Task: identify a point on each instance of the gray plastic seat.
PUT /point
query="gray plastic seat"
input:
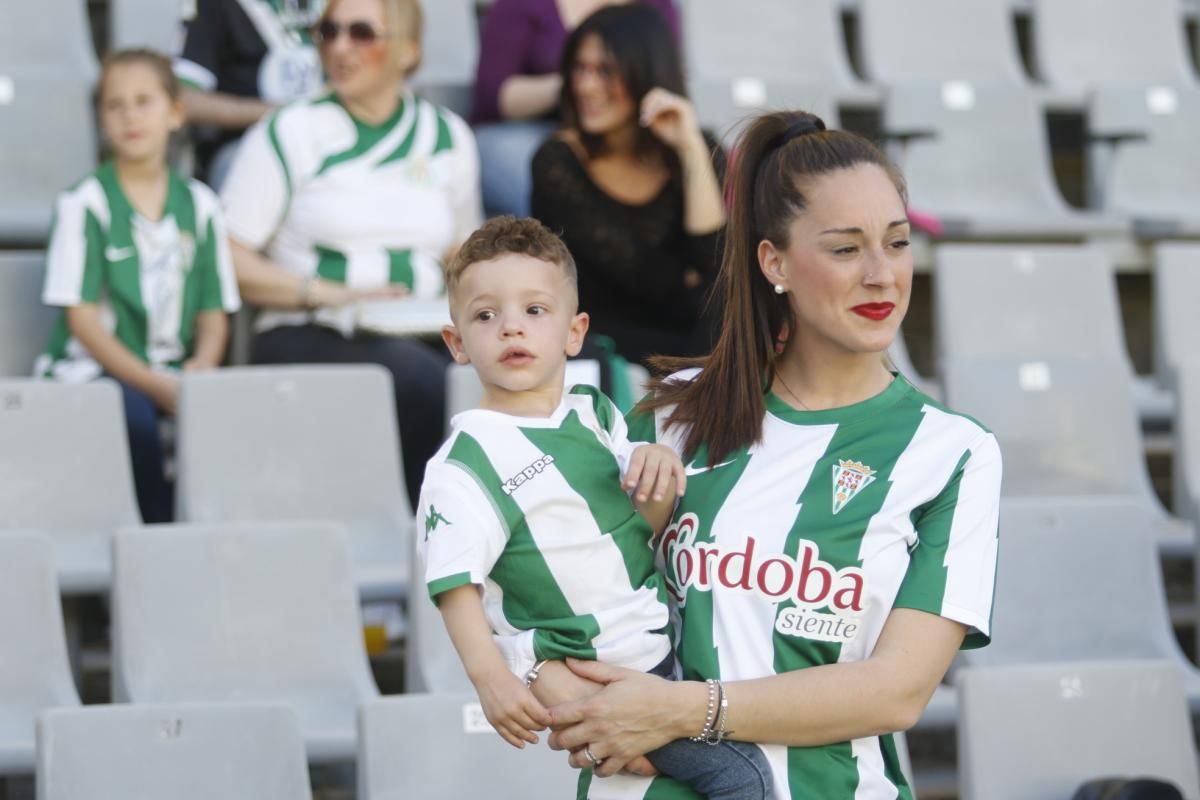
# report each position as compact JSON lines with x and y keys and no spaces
{"x":980,"y":163}
{"x":449,"y":52}
{"x":936,"y":40}
{"x":1067,"y":428}
{"x":34,"y":673}
{"x":1038,"y":732}
{"x":249,"y":612}
{"x":300,"y":443}
{"x":184,"y":752}
{"x":726,"y":106}
{"x":1155,"y":178}
{"x":1176,"y":324}
{"x":1080,"y":580}
{"x":431,"y":663}
{"x":25,"y":323}
{"x":441,"y":747}
{"x":65,"y":472}
{"x":1187,"y":441}
{"x":146,"y":23}
{"x":1073,"y":42}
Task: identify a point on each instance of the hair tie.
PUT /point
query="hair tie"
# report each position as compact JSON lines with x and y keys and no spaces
{"x":801,"y":127}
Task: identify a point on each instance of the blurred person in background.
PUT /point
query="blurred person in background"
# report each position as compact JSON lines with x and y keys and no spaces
{"x":139,"y":262}
{"x":518,"y":85}
{"x":241,"y":59}
{"x":353,"y":196}
{"x":633,"y":185}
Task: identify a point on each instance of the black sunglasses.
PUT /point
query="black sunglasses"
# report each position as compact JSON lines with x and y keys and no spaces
{"x":360,"y":33}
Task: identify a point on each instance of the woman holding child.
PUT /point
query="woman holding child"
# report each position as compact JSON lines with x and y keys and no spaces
{"x":836,"y":544}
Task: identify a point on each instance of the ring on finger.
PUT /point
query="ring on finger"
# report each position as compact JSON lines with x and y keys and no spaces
{"x":587,"y":752}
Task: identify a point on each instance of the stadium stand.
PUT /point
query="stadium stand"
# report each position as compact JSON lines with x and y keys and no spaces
{"x":431,"y":663}
{"x":185,"y":752}
{"x":449,"y":51}
{"x":978,"y":158}
{"x":1120,"y":719}
{"x":146,"y":23}
{"x":1082,"y":582}
{"x":299,"y":443}
{"x":1073,"y":44}
{"x":924,"y":41}
{"x":457,"y":747}
{"x":25,"y":324}
{"x":1176,"y":324}
{"x":243,"y":612}
{"x":1187,"y":443}
{"x":34,"y":672}
{"x":1150,"y":172}
{"x":47,"y":137}
{"x":65,"y":472}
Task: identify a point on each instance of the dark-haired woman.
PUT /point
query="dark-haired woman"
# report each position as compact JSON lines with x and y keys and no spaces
{"x":837,"y":542}
{"x":633,"y":185}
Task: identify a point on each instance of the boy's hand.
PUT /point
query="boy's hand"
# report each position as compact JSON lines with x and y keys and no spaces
{"x":652,"y":467}
{"x":512,"y":709}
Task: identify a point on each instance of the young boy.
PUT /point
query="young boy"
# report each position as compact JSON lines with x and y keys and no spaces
{"x":528,"y":530}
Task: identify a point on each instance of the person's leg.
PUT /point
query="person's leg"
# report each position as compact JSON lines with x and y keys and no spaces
{"x":154,"y":492}
{"x":726,"y":771}
{"x":505,"y":153}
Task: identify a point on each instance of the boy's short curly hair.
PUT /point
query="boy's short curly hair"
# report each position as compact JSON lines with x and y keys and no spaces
{"x":507,"y":235}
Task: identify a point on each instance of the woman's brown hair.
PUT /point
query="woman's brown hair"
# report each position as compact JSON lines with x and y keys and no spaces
{"x":778,"y":157}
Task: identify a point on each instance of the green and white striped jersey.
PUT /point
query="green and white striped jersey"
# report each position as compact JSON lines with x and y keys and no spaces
{"x":150,"y":278}
{"x":791,"y":554}
{"x":323,"y":193}
{"x":533,"y":511}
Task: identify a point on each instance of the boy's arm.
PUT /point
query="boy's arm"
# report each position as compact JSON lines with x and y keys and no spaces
{"x":657,"y":479}
{"x":116,"y":359}
{"x":507,"y":703}
{"x":212,"y":333}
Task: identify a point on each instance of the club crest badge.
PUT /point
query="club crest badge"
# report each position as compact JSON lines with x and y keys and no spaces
{"x":849,"y":478}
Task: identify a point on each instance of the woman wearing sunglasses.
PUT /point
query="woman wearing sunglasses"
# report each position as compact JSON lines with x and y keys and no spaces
{"x":354,"y":195}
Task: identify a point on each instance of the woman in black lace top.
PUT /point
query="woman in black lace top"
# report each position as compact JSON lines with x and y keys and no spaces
{"x":633,"y":185}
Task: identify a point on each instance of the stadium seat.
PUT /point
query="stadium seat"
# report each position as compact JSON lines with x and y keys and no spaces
{"x":1187,"y":442}
{"x":898,"y":353}
{"x":1049,"y":301}
{"x":726,"y":106}
{"x":1039,"y":732}
{"x":449,"y":52}
{"x":65,"y":472}
{"x":184,"y":752}
{"x":1073,"y":43}
{"x":1176,"y":323}
{"x":978,"y":159}
{"x":732,"y":71}
{"x":25,"y":323}
{"x":155,"y":24}
{"x":1080,"y":580}
{"x":1055,"y":443}
{"x":441,"y":747}
{"x":935,"y":40}
{"x":431,"y":663}
{"x":300,"y":443}
{"x":34,"y":672}
{"x":243,"y":612}
{"x":1149,"y":170}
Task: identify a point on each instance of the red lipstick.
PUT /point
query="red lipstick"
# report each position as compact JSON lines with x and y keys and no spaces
{"x":874,"y":311}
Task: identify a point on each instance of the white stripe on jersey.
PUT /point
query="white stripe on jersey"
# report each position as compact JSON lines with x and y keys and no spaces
{"x":68,"y":244}
{"x":970,"y":558}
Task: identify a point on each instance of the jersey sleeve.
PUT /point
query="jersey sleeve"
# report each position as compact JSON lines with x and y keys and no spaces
{"x":258,"y":189}
{"x":460,"y":535}
{"x":465,"y":197}
{"x":75,"y":256}
{"x":952,"y":570}
{"x":219,"y":291}
{"x":203,"y":44}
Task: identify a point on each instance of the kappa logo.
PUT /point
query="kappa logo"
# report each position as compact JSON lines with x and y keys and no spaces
{"x":527,"y":474}
{"x":849,"y":478}
{"x":433,"y":518}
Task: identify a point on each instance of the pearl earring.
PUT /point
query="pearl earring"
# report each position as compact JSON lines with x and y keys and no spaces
{"x":779,"y":288}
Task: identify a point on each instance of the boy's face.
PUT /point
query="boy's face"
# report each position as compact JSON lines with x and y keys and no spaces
{"x":515,"y":320}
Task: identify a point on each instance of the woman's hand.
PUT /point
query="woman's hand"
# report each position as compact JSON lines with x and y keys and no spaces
{"x":673,"y":120}
{"x":634,"y":714}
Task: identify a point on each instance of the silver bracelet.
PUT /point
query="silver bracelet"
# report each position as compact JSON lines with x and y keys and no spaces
{"x":711,"y":716}
{"x":534,"y":671}
{"x":714,"y":727}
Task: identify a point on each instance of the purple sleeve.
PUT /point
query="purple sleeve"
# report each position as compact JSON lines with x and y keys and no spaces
{"x":508,"y":33}
{"x":667,"y":9}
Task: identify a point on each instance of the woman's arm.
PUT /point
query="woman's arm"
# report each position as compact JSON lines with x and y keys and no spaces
{"x":636,"y":713}
{"x":673,"y":120}
{"x":504,"y":47}
{"x":264,"y":283}
{"x":222,"y":110}
{"x":529,"y":96}
{"x":116,"y":359}
{"x":212,"y":334}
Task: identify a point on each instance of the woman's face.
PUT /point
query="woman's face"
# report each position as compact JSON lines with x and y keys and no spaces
{"x":602,"y":100}
{"x":847,"y":267}
{"x":358,"y":53}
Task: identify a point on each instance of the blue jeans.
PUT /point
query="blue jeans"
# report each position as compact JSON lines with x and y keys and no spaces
{"x":155,"y":495}
{"x":505,"y":153}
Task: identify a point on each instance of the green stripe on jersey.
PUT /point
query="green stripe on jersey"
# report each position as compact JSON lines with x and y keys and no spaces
{"x":400,"y":267}
{"x":124,"y":275}
{"x":532,"y":598}
{"x":331,"y":264}
{"x":367,"y":136}
{"x":445,"y":141}
{"x":405,"y":147}
{"x":606,"y":412}
{"x":273,"y":135}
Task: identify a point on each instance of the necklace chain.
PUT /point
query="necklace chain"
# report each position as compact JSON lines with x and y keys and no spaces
{"x":795,"y":396}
